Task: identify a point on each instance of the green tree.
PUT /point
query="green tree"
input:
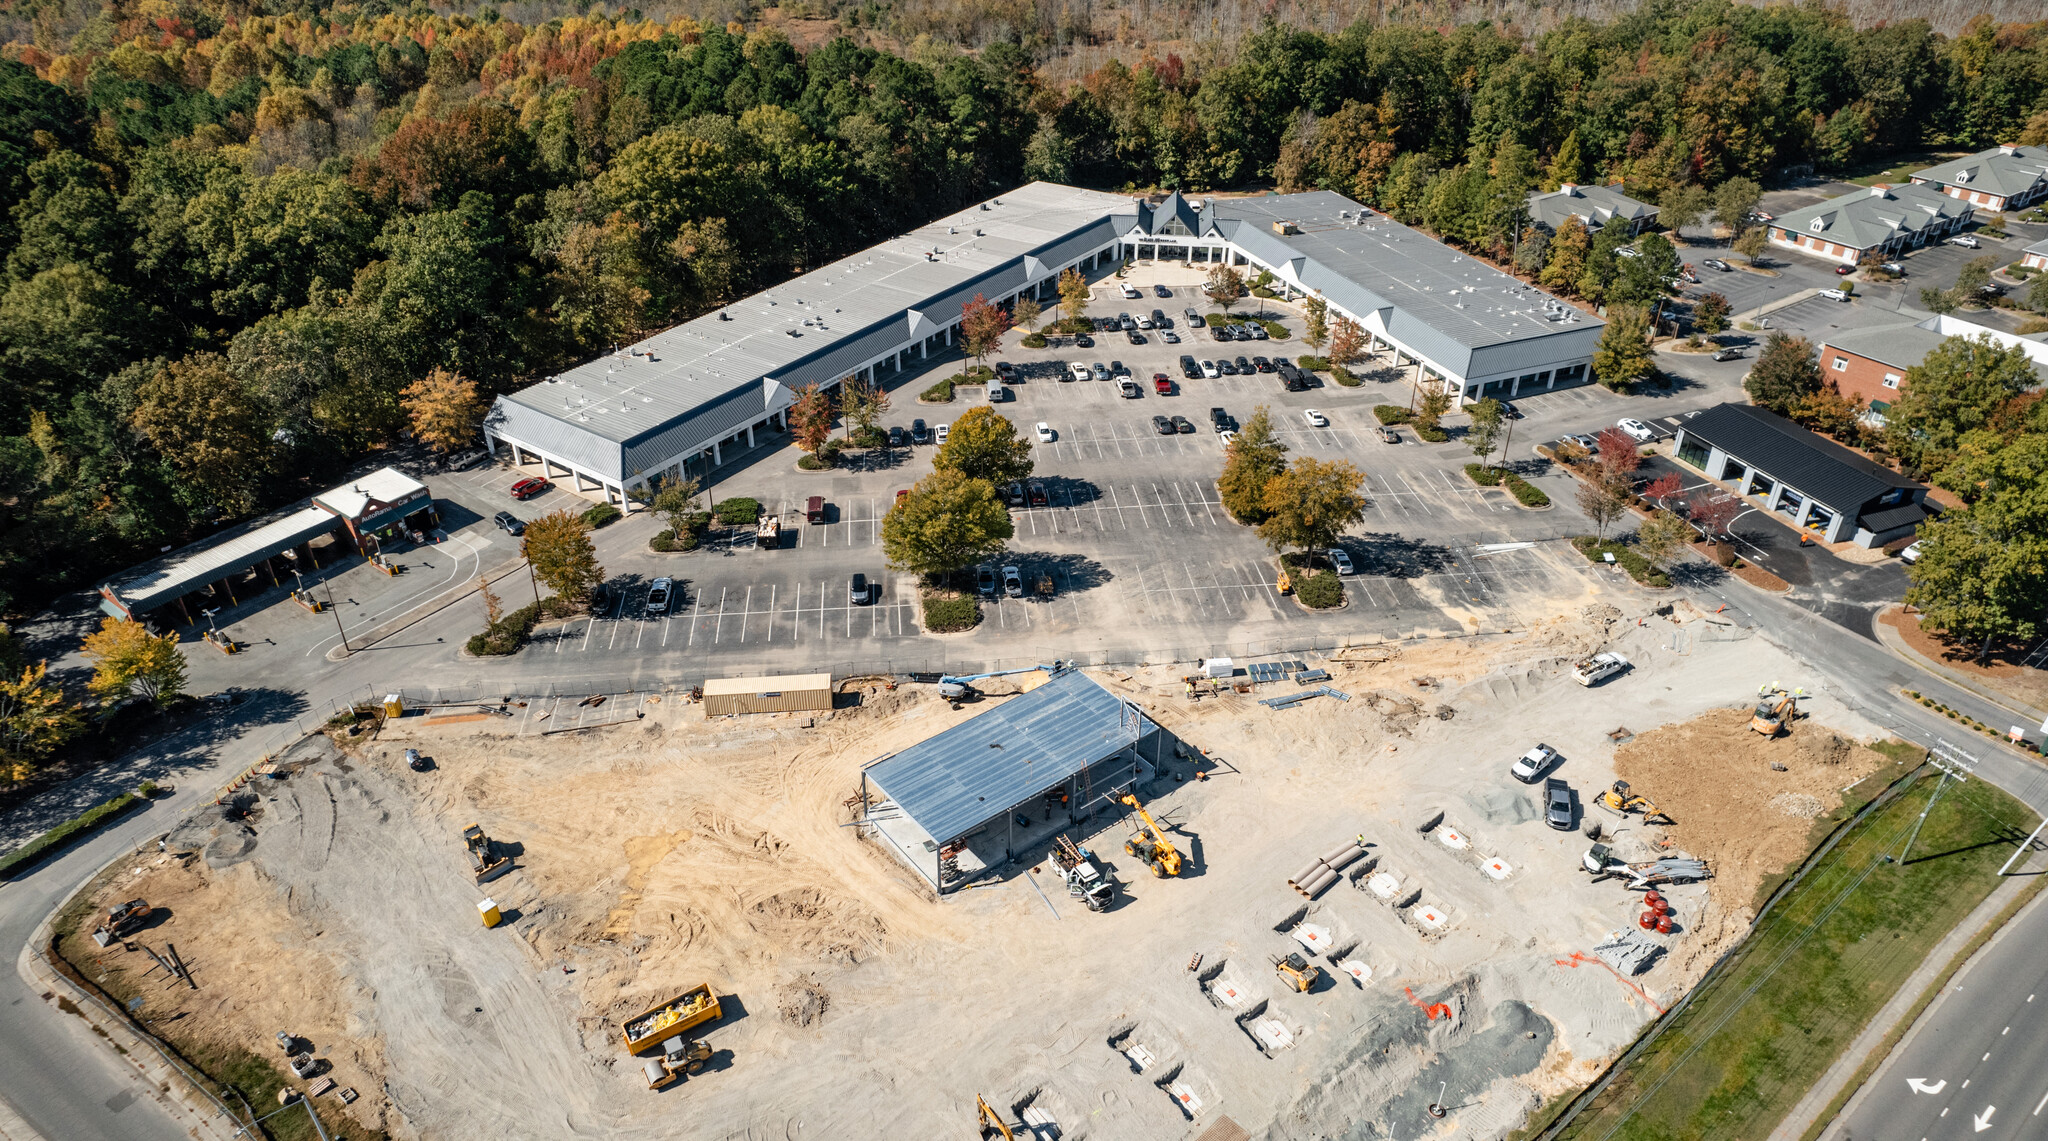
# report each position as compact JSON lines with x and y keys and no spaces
{"x":202,"y":419}
{"x":1752,"y":245}
{"x":675,"y":501}
{"x":2037,"y":293}
{"x":1430,"y":412}
{"x":1311,"y":503}
{"x":1488,"y":419}
{"x":983,"y":444}
{"x":1958,"y":386}
{"x":948,"y":521}
{"x":1566,"y":263}
{"x":1710,"y":314}
{"x":128,"y":660}
{"x":445,"y":409}
{"x":1226,"y":285}
{"x":1026,"y":312}
{"x":1623,"y":355}
{"x":1684,"y":206}
{"x":1251,"y":461}
{"x":1663,"y":538}
{"x":1734,"y":201}
{"x":557,"y":546}
{"x":1567,"y":165}
{"x":1316,"y":320}
{"x":1074,"y":294}
{"x":35,"y":720}
{"x":1982,"y":574}
{"x":1602,"y":501}
{"x":1785,"y":373}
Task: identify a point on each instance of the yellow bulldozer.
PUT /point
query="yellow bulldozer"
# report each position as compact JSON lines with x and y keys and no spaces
{"x":1621,"y":801}
{"x":485,"y":860}
{"x":1296,"y":972}
{"x":1776,"y":707}
{"x":1149,"y":843}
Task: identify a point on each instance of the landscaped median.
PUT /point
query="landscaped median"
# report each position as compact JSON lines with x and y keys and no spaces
{"x":1639,"y":568}
{"x":1527,"y":494}
{"x":1824,"y":957}
{"x":85,"y":822}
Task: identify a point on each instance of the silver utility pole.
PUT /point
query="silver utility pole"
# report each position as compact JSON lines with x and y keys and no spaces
{"x":1952,"y":762}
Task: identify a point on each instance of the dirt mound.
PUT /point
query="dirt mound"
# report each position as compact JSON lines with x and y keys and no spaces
{"x":1713,"y":773}
{"x":802,"y":1001}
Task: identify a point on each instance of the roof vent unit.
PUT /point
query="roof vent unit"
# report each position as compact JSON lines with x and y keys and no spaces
{"x":984,"y":205}
{"x":952,"y":229}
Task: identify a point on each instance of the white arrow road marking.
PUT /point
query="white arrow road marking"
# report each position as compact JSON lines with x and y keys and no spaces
{"x":1920,"y":1086}
{"x":1983,"y":1120}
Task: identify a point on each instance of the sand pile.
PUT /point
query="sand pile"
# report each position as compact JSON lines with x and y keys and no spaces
{"x":1713,"y":774}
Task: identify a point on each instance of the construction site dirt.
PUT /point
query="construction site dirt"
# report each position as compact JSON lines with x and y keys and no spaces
{"x":665,"y":850}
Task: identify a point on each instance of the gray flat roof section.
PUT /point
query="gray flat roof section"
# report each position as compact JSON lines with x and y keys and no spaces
{"x":1455,"y":308}
{"x":210,"y":559}
{"x":653,"y":387}
{"x":979,"y":769}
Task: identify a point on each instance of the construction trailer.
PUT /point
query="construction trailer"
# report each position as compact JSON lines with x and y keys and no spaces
{"x":1000,"y":785}
{"x":789,"y":693}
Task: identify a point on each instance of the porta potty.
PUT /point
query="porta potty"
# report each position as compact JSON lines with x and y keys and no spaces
{"x":394,"y":706}
{"x":487,"y":909}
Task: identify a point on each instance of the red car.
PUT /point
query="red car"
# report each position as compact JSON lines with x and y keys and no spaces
{"x":1845,"y":270}
{"x":1161,"y":385}
{"x":529,"y":487}
{"x":902,"y":493}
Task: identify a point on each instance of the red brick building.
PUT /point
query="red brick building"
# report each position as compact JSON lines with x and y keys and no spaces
{"x":1872,"y":363}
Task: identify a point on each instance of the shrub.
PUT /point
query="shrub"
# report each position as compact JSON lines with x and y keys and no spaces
{"x":1526,"y":493}
{"x":946,"y":615}
{"x":1636,"y":565}
{"x":1320,"y":591}
{"x":813,"y":463}
{"x":870,"y":438}
{"x":1484,"y":476}
{"x":1217,"y":320}
{"x":1076,"y":325}
{"x":602,"y":514}
{"x":1262,"y":291}
{"x":740,"y":511}
{"x":1391,"y":414}
{"x":1275,"y":330}
{"x":1345,"y":377}
{"x":938,"y":393}
{"x":69,"y":830}
{"x":1313,"y":364}
{"x":693,"y":535}
{"x":1034,"y":340}
{"x":509,"y":633}
{"x":1432,"y":433}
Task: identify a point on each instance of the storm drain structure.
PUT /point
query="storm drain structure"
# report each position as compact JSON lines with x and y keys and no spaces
{"x":1001,"y":783}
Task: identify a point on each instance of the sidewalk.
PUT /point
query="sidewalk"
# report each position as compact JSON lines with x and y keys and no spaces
{"x":1897,"y":645}
{"x":1867,"y":1044}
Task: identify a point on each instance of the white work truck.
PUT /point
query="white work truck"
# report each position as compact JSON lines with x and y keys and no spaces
{"x":1599,"y":668}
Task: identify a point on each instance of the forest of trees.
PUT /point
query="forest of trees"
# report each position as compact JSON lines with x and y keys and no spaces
{"x":235,"y":234}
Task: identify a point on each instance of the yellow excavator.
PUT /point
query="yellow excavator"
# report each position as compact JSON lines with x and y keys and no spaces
{"x":1150,"y":844}
{"x":1776,"y":706}
{"x":1621,"y":801}
{"x":992,"y":1124}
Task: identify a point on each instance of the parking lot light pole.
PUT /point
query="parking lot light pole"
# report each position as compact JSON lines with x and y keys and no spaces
{"x":345,"y":647}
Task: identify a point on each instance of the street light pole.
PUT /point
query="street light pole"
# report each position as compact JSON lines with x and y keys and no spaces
{"x":345,"y":647}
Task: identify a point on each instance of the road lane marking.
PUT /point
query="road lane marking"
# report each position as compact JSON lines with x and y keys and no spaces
{"x":1920,"y":1086}
{"x":696,"y":608}
{"x":1982,"y":1121}
{"x":2043,"y":1102}
{"x":771,"y":612}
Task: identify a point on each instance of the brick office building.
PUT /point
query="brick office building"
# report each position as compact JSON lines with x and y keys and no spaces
{"x":1871,"y":224}
{"x":1872,"y":363}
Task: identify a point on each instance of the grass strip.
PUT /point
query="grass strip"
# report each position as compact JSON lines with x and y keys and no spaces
{"x":1833,"y":950}
{"x":79,"y":825}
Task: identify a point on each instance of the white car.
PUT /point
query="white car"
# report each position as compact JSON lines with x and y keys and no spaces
{"x":1531,"y":764}
{"x":1315,"y":419}
{"x":1209,"y":370}
{"x":1227,"y":435}
{"x":1636,"y":429}
{"x":939,"y":434}
{"x":1911,"y":554}
{"x":1079,"y":370}
{"x":1627,"y":252}
{"x":1044,"y":432}
{"x":1130,"y":291}
{"x":1341,"y":561}
{"x":1966,"y":241}
{"x":1835,"y":294}
{"x":1598,"y":668}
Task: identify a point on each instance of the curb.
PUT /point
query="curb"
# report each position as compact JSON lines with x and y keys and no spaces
{"x":1889,"y":639}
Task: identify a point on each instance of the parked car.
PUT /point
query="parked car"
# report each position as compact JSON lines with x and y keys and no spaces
{"x":1626,"y":252}
{"x":529,"y":487}
{"x":1262,"y":364}
{"x":1044,"y":432}
{"x":1637,"y":430}
{"x":509,"y":523}
{"x":1226,"y":436}
{"x":1128,"y":290}
{"x":1209,"y":370}
{"x":1531,"y":764}
{"x":1101,"y":371}
{"x":1912,"y":553}
{"x":858,"y":590}
{"x":1013,"y":582}
{"x":1161,"y":385}
{"x":1118,"y":368}
{"x":1035,"y":489}
{"x":918,"y":432}
{"x":1161,"y":291}
{"x":1340,"y":561}
{"x":1258,"y":332}
{"x":1835,"y":294}
{"x":468,"y":460}
{"x":1315,"y":419}
{"x":1015,"y":493}
{"x":1189,"y":369}
{"x":1557,"y":804}
{"x":1389,"y":435}
{"x":1194,"y":315}
{"x":1244,"y":366}
{"x":1967,"y":241}
{"x":1599,"y":668}
{"x":1006,"y":370}
{"x":659,"y":593}
{"x":1844,"y":270}
{"x":1718,"y":265}
{"x":1084,"y":341}
{"x":1135,"y":337}
{"x":1160,"y":320}
{"x":897,"y":436}
{"x":1897,"y":269}
{"x":985,"y":581}
{"x":1224,"y":366}
{"x":1219,"y":418}
{"x":939,"y":434}
{"x":902,"y":493}
{"x":1508,"y":409}
{"x":1163,"y":426}
{"x":1170,"y":338}
{"x":1730,"y":353}
{"x":1183,"y":425}
{"x":1076,"y":371}
{"x":1591,"y":445}
{"x":1144,"y":322}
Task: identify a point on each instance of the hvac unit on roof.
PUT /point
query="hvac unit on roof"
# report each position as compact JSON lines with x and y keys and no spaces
{"x":984,"y":205}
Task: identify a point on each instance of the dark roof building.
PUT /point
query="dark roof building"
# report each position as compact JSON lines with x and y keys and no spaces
{"x":1596,"y":206}
{"x":1875,"y":222}
{"x":2006,"y":177}
{"x":1816,"y":483}
{"x":1068,"y":739}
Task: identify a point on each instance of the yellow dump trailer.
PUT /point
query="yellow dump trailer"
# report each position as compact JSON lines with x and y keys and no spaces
{"x":791,"y":693}
{"x":693,"y":1007}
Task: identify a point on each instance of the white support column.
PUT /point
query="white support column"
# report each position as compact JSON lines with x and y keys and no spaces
{"x":717,"y":454}
{"x":750,"y":435}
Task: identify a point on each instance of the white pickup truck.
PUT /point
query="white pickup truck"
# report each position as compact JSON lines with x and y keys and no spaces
{"x":1599,"y":668}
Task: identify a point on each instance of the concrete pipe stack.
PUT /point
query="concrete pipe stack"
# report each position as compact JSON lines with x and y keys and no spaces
{"x":1325,"y":870}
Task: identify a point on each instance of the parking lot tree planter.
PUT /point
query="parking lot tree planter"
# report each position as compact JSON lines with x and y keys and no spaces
{"x":1484,"y":476}
{"x":946,"y":612}
{"x":1313,"y":364}
{"x":602,"y":515}
{"x":1275,"y":330}
{"x":940,"y":393}
{"x":1345,"y":377}
{"x":740,"y":511}
{"x":1627,"y":558}
{"x":1034,"y":340}
{"x":1321,"y":590}
{"x":1527,"y":494}
{"x":814,"y":463}
{"x":1391,"y":414}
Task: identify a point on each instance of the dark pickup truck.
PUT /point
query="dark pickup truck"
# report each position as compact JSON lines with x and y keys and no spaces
{"x":1557,"y":804}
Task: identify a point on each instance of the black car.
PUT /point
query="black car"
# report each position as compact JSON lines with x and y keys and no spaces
{"x":1084,"y":341}
{"x":1189,"y":369}
{"x":1262,"y":364}
{"x":1136,"y":337}
{"x":1225,"y":366}
{"x":1220,"y":418}
{"x":1006,"y":370}
{"x":1508,"y":409}
{"x":897,"y":437}
{"x":1244,"y":367}
{"x":858,"y":592}
{"x":1161,"y":291}
{"x":918,"y":432}
{"x":1107,"y":324}
{"x":1282,"y":362}
{"x":1216,"y":333}
{"x":1160,"y":320}
{"x":1035,"y":489}
{"x":1163,"y":426}
{"x":509,"y":523}
{"x":1183,"y":424}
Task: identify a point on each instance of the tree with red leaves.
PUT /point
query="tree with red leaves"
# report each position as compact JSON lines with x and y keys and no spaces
{"x":982,"y":327}
{"x":1713,"y":510}
{"x":810,"y":418}
{"x":1618,"y":456}
{"x":1663,"y":487}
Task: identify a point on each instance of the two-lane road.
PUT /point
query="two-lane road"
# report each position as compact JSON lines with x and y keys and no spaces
{"x":1977,"y":1065}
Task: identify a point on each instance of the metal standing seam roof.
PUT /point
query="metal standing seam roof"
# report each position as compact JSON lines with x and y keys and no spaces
{"x":954,"y":782}
{"x":161,"y":580}
{"x":1460,"y":312}
{"x":1817,"y":468}
{"x":1994,"y":171}
{"x":1872,"y":217}
{"x":659,"y":389}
